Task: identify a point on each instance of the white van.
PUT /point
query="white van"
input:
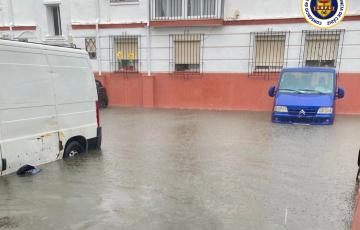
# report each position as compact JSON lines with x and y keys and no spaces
{"x":48,"y":104}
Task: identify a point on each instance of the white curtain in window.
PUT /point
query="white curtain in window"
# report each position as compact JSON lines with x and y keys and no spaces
{"x":270,"y":51}
{"x":194,"y":7}
{"x":175,"y":8}
{"x":321,"y":47}
{"x":187,"y":49}
{"x":161,"y":8}
{"x":208,"y":7}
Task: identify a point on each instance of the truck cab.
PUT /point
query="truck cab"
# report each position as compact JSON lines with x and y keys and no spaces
{"x":305,"y":96}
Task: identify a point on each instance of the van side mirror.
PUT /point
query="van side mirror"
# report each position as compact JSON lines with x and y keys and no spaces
{"x":272,"y":91}
{"x":340,"y":93}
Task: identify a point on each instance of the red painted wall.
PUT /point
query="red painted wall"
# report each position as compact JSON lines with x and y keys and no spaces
{"x":209,"y":91}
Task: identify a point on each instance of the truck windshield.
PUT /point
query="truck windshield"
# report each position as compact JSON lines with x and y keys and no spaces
{"x":307,"y":82}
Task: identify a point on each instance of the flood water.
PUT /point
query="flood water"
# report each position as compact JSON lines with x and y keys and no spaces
{"x":183,"y":169}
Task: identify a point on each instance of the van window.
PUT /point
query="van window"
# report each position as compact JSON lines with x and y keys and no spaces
{"x":307,"y":82}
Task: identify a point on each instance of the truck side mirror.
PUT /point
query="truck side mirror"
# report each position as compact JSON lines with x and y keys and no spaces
{"x":340,"y":93}
{"x":272,"y":91}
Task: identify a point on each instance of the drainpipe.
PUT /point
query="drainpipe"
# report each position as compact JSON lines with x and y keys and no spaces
{"x":11,"y":16}
{"x":98,"y":43}
{"x":148,"y":49}
{"x":148,"y":34}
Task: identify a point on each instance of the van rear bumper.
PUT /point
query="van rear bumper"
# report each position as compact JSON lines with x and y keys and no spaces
{"x":285,"y":118}
{"x":95,"y":143}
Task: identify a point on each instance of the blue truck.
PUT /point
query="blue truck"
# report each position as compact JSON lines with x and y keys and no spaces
{"x":305,"y":96}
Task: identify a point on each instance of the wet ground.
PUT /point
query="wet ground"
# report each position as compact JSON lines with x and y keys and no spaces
{"x":171,"y":169}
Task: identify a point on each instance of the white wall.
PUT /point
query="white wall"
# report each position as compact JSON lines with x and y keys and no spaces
{"x":84,"y":11}
{"x":24,"y":12}
{"x":225,"y":48}
{"x":261,"y":9}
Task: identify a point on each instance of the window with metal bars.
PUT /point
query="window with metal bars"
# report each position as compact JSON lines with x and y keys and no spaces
{"x":123,"y":1}
{"x":126,"y":53}
{"x":201,"y":8}
{"x":90,"y":47}
{"x":167,"y":8}
{"x":186,"y":52}
{"x":269,"y":51}
{"x":185,"y":9}
{"x":321,"y":48}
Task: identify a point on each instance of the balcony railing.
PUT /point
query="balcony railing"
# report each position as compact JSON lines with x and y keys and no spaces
{"x":165,"y":10}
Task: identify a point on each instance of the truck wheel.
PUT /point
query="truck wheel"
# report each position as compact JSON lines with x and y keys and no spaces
{"x":72,"y":149}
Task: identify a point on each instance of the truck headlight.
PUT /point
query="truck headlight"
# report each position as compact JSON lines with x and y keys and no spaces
{"x":281,"y":109}
{"x":325,"y":110}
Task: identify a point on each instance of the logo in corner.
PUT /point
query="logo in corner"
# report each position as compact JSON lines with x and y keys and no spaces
{"x":324,"y":13}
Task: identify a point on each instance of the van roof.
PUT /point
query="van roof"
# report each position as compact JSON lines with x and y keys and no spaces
{"x":32,"y":45}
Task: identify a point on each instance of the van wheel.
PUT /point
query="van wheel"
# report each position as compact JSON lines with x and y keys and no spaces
{"x":74,"y":148}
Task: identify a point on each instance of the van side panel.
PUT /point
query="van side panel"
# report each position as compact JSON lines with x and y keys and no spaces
{"x":29,"y":129}
{"x":75,"y":95}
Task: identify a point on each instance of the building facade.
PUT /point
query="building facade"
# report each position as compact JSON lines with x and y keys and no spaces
{"x":205,"y":54}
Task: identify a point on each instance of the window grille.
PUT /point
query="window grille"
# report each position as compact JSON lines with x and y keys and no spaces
{"x":269,"y":51}
{"x":321,"y":48}
{"x":168,"y":8}
{"x":90,"y":46}
{"x":122,"y":1}
{"x":186,"y":52}
{"x":186,"y":9}
{"x":201,"y":8}
{"x":126,"y":53}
